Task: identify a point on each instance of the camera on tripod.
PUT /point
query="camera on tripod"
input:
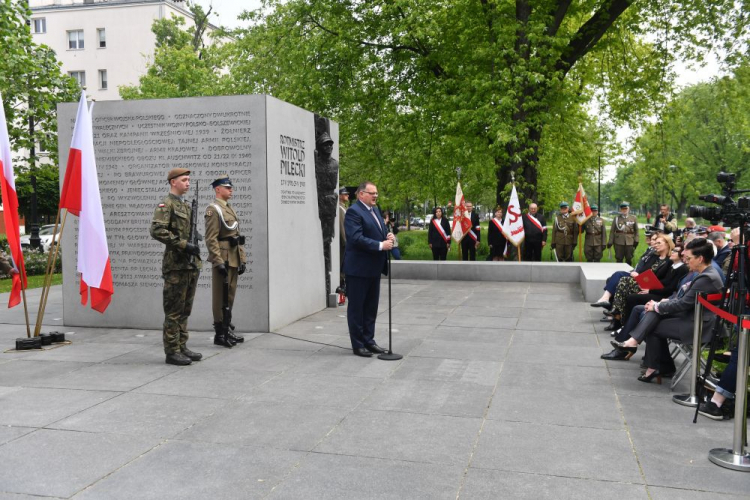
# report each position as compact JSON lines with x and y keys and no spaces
{"x":733,"y":213}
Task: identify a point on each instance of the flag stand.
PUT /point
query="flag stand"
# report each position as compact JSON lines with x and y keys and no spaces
{"x":51,"y":259}
{"x":25,"y":309}
{"x":390,"y":355}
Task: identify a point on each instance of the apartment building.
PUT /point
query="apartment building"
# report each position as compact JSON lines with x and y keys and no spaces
{"x":102,"y":43}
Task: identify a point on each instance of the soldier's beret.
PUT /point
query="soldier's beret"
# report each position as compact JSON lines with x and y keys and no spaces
{"x":624,"y":204}
{"x":594,"y":207}
{"x":222,"y":181}
{"x":712,"y":229}
{"x":564,"y":204}
{"x":177,"y":172}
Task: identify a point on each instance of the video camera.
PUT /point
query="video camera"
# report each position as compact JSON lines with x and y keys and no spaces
{"x":733,"y":213}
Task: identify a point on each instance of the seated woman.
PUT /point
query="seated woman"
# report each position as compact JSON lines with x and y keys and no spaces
{"x":439,"y":235}
{"x":660,"y":265}
{"x":673,"y":318}
{"x":610,"y":286}
{"x":678,"y":275}
{"x":495,"y":237}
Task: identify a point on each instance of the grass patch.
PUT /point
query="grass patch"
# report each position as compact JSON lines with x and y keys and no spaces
{"x":33,"y":282}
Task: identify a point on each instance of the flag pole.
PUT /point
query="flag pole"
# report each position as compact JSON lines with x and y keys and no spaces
{"x":25,"y":309}
{"x":51,"y":259}
{"x":580,"y":248}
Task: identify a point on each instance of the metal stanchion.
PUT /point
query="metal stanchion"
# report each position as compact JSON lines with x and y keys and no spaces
{"x":691,"y":399}
{"x":737,"y":458}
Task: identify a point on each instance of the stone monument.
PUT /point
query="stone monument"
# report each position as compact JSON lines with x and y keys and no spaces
{"x":265,"y":145}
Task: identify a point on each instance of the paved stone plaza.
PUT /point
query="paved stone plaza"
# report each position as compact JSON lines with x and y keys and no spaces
{"x":501,"y":394}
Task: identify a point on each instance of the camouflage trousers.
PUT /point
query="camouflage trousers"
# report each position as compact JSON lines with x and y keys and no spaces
{"x":179,"y":292}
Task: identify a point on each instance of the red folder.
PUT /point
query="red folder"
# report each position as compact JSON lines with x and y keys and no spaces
{"x":648,"y":281}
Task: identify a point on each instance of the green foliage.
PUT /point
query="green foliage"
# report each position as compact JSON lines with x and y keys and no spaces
{"x":47,"y":190}
{"x":35,"y":262}
{"x":184,"y":65}
{"x":31,"y":84}
{"x":702,"y":131}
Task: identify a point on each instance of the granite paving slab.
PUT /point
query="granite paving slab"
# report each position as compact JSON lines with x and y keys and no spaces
{"x":501,"y":393}
{"x":61,"y":463}
{"x":198,"y":471}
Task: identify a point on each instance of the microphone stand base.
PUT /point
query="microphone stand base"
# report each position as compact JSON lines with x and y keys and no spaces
{"x":390,"y":356}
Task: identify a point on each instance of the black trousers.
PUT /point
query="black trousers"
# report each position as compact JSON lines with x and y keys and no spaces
{"x":532,"y":251}
{"x":364,"y":295}
{"x":468,"y":249}
{"x":439,"y":253}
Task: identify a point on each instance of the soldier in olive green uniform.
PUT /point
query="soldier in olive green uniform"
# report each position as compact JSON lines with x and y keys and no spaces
{"x":226,"y":255}
{"x":624,"y":234}
{"x":596,"y":236}
{"x":564,"y":234}
{"x":180,"y":267}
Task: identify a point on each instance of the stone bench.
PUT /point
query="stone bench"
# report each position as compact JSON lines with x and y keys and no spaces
{"x":590,"y":276}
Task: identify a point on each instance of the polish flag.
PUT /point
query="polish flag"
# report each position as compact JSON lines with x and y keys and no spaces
{"x":10,"y":212}
{"x":581,"y":208}
{"x":461,"y":218}
{"x":513,"y":222}
{"x":80,"y":196}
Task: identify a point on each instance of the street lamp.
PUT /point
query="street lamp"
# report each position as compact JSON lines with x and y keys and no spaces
{"x":599,"y":145}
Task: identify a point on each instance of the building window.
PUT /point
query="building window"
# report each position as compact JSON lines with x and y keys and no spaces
{"x":40,"y":25}
{"x":80,"y":77}
{"x":103,"y":79}
{"x":75,"y":39}
{"x":101,"y":35}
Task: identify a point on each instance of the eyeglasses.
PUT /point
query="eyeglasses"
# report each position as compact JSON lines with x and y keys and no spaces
{"x":371,"y":193}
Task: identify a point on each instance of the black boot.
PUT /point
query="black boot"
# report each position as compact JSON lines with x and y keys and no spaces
{"x":221,"y":338}
{"x":238,"y":339}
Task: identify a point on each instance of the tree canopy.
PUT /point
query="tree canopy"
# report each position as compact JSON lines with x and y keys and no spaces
{"x":499,"y":89}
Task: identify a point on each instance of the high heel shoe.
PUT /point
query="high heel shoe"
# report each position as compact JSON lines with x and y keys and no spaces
{"x":604,"y":304}
{"x":622,"y":347}
{"x":649,"y":378}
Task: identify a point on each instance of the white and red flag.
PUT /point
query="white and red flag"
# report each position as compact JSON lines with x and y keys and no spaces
{"x":461,"y":218}
{"x":80,"y":196}
{"x":10,"y":212}
{"x":513,"y":222}
{"x":581,"y":208}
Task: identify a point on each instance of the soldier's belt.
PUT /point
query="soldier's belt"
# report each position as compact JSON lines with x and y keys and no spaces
{"x":234,"y":240}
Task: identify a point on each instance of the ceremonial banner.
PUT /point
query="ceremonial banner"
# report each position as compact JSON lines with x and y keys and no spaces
{"x":461,"y":219}
{"x":80,"y":196}
{"x":513,"y":222}
{"x":581,"y":208}
{"x":10,"y":212}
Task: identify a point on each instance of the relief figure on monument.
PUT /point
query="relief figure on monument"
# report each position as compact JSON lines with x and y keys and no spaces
{"x":326,"y":177}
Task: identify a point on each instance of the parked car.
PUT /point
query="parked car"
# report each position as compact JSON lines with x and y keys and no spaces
{"x":416,"y":222}
{"x":45,"y":235}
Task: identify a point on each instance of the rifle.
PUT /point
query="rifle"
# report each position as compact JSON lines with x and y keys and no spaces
{"x":194,"y":236}
{"x":226,"y":313}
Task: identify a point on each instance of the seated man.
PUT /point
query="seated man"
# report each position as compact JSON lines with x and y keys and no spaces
{"x":673,"y":318}
{"x":716,"y":408}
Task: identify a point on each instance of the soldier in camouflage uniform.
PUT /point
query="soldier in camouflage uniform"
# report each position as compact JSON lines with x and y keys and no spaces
{"x":180,"y":267}
{"x":226,"y":255}
{"x":564,"y":234}
{"x":596,"y":236}
{"x":624,"y":234}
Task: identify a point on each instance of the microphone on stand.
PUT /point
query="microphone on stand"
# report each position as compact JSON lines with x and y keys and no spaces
{"x":390,"y":355}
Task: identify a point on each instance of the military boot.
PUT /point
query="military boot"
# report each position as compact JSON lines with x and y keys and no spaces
{"x":194,"y":356}
{"x":230,"y":332}
{"x":221,"y":338}
{"x":177,"y":358}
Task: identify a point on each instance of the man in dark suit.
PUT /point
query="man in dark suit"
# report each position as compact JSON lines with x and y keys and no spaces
{"x":535,"y":231}
{"x":367,"y":241}
{"x":470,"y":242}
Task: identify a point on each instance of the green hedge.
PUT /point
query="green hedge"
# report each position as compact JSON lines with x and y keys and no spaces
{"x":36,"y":262}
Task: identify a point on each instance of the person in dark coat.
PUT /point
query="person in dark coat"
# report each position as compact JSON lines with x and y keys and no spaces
{"x":495,"y":237}
{"x":367,"y":241}
{"x":535,"y":231}
{"x":674,"y":318}
{"x":470,"y":243}
{"x":439,"y":235}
